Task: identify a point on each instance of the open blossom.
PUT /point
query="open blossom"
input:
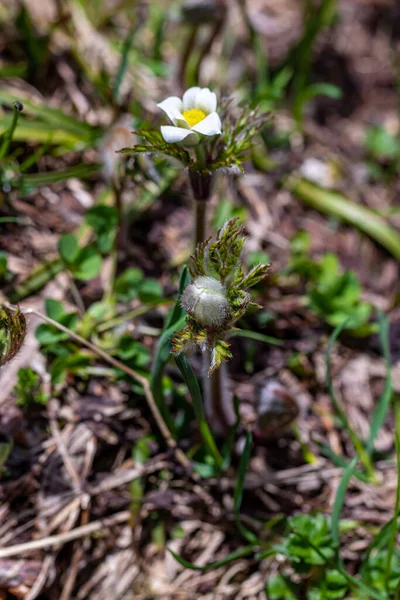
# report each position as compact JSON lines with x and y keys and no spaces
{"x":193,"y":117}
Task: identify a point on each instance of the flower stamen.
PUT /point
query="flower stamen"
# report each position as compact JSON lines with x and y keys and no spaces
{"x":194,"y":116}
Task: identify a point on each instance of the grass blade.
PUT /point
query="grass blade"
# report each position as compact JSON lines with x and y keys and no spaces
{"x":39,"y":132}
{"x":383,"y":404}
{"x":257,"y":336}
{"x":340,"y":461}
{"x":339,"y":500}
{"x":194,"y":390}
{"x":80,"y":171}
{"x":176,"y":321}
{"x":238,"y":495}
{"x":124,"y":62}
{"x":8,"y":136}
{"x":35,"y":280}
{"x":54,"y":116}
{"x":241,"y":553}
{"x":357,"y":442}
{"x":338,"y":205}
{"x":393,"y":530}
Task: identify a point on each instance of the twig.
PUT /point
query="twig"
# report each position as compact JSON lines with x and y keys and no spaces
{"x":130,"y":372}
{"x":69,"y":536}
{"x":62,"y":449}
{"x":41,"y":579}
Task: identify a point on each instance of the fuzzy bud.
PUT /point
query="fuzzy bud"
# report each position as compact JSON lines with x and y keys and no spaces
{"x":205,"y":300}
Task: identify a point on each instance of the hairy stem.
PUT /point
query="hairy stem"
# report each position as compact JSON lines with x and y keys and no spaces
{"x":218,"y":403}
{"x":200,"y":218}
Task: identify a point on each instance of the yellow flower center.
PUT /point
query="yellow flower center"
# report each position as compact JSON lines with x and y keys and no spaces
{"x":194,"y":116}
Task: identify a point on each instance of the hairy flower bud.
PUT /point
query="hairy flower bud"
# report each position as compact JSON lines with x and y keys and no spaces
{"x":205,"y":300}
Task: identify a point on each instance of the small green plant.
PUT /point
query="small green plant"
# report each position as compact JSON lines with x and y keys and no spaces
{"x":383,"y":152}
{"x":333,"y":295}
{"x":5,"y":273}
{"x":28,"y":388}
{"x":83,"y":263}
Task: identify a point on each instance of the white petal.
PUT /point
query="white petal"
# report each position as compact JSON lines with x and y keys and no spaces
{"x":206,"y":101}
{"x":211,"y":125}
{"x":171,"y":104}
{"x":173,"y":135}
{"x":189,"y":97}
{"x":178,"y":119}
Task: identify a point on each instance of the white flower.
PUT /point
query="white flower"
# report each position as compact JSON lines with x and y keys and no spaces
{"x":205,"y":300}
{"x":193,"y":117}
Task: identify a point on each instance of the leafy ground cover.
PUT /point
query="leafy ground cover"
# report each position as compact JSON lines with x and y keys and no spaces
{"x":119,"y":476}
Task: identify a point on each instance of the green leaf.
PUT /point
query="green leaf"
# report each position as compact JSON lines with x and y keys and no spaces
{"x":127,"y":284}
{"x":55,"y":117}
{"x":357,"y":442}
{"x":339,"y":500}
{"x":257,"y":274}
{"x":37,"y":179}
{"x":391,"y":555}
{"x":104,"y":221}
{"x":175,"y":321}
{"x":280,"y":587}
{"x":8,"y":136}
{"x":68,"y":248}
{"x":194,"y":391}
{"x":54,"y":309}
{"x":241,"y":553}
{"x":310,"y":541}
{"x":123,"y":62}
{"x":381,"y":144}
{"x":28,"y":388}
{"x":150,"y":290}
{"x":36,"y":280}
{"x":220,"y":353}
{"x":383,"y":404}
{"x":47,"y":335}
{"x":238,"y":495}
{"x":336,"y":204}
{"x":256,"y":336}
{"x":87,"y":265}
